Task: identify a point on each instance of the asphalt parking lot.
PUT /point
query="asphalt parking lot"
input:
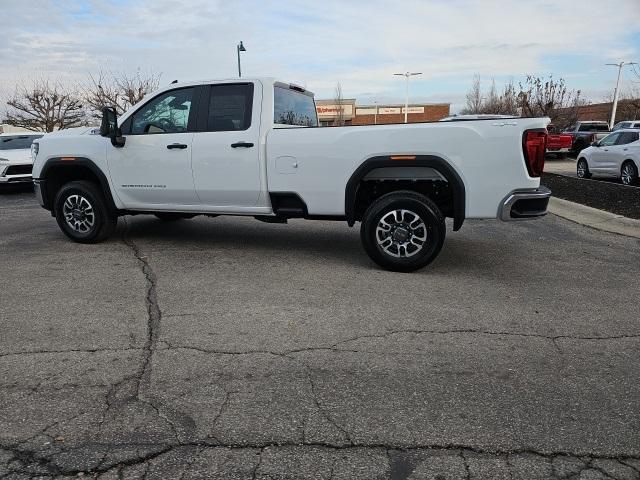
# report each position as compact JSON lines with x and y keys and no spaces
{"x":233,"y":349}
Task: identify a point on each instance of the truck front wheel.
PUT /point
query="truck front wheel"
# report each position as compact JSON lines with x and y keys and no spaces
{"x":82,"y":212}
{"x":403,"y":231}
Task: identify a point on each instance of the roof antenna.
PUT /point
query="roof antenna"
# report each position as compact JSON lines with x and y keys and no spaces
{"x":175,"y":81}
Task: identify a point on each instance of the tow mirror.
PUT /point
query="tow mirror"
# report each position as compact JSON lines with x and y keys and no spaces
{"x":109,"y":127}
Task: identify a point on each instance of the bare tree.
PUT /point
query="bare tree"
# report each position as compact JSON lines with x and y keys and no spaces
{"x":338,"y":101}
{"x":494,"y":102}
{"x":541,"y":97}
{"x":45,"y":106}
{"x":474,"y":97}
{"x":118,"y":90}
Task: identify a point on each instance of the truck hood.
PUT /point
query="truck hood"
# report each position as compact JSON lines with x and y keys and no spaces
{"x":74,"y":131}
{"x":17,"y":156}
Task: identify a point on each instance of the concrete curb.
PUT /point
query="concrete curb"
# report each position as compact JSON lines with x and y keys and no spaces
{"x":594,"y":218}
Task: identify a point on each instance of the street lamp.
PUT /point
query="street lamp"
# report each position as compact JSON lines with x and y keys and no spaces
{"x":240,"y":48}
{"x":617,"y":90}
{"x":375,"y":114}
{"x":406,"y":101}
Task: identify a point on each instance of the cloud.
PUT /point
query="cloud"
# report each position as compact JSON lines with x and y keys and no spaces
{"x":361,"y":44}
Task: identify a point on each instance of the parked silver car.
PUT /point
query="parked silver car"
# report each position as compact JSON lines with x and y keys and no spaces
{"x":15,"y":157}
{"x":616,"y":155}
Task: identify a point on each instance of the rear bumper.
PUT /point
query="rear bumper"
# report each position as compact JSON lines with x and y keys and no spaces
{"x":558,"y":149}
{"x":525,"y":204}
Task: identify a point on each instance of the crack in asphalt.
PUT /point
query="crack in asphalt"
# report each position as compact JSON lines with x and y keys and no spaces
{"x":154,"y":314}
{"x":29,"y":459}
{"x":254,"y":474}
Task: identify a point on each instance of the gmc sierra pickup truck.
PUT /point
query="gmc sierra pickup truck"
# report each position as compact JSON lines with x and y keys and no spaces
{"x":253,"y":147}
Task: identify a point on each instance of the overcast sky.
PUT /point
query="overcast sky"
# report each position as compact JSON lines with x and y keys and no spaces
{"x":359,"y":43}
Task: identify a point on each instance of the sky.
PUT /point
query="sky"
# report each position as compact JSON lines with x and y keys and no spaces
{"x":359,"y":43}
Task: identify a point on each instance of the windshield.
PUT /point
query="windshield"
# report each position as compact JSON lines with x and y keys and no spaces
{"x":291,"y":107}
{"x":17,"y":142}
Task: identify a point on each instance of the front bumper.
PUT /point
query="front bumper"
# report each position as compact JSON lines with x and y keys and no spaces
{"x":15,"y":173}
{"x":525,"y":204}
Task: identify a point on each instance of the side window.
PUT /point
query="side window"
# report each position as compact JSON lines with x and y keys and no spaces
{"x":609,"y":140}
{"x":627,"y":137}
{"x":230,"y":107}
{"x":167,"y":113}
{"x":587,"y":127}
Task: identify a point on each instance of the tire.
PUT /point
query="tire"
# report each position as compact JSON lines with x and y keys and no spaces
{"x":389,"y":229}
{"x":172,"y":216}
{"x":82,"y":213}
{"x":629,"y":173}
{"x":582,"y":168}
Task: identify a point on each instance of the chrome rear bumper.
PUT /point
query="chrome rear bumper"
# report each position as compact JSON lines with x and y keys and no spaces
{"x":525,"y":204}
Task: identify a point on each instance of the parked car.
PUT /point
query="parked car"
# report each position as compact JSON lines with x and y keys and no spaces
{"x":15,"y":157}
{"x":626,"y":124}
{"x":558,"y":143}
{"x":248,"y":147}
{"x":585,"y":133}
{"x":616,"y":155}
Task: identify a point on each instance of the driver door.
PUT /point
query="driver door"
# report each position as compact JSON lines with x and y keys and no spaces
{"x":153,"y":169}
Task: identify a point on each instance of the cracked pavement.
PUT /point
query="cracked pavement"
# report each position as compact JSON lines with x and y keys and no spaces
{"x":233,"y":349}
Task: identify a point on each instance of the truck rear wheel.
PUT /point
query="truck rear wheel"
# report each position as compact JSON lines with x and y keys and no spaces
{"x":82,"y":213}
{"x":403,"y":231}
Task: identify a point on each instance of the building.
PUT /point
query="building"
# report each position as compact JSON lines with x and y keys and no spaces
{"x":6,"y":128}
{"x":329,"y":112}
{"x":627,"y":110}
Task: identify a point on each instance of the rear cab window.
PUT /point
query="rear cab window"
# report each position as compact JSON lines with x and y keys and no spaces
{"x":293,"y":107}
{"x":17,"y":142}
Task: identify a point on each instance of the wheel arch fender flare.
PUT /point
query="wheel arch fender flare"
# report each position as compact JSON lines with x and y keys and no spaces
{"x":56,"y":164}
{"x":387,"y":161}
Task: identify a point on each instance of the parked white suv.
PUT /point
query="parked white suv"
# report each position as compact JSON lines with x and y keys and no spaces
{"x":251,"y":147}
{"x":15,"y":157}
{"x":616,"y":155}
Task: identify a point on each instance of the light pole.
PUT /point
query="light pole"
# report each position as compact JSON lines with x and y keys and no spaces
{"x":375,"y":114}
{"x":240,"y":48}
{"x":617,"y":90}
{"x":406,"y":101}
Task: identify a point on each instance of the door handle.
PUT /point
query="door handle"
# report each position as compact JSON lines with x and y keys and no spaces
{"x":176,"y":145}
{"x":625,"y":149}
{"x":242,"y":144}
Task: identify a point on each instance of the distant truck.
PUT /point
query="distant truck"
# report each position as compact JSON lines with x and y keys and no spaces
{"x":586,"y":132}
{"x":558,"y":143}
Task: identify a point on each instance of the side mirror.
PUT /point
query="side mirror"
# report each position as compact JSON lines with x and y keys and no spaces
{"x":109,"y":127}
{"x":595,"y":144}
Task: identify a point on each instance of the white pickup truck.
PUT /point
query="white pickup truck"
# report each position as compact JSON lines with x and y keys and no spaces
{"x":253,"y":147}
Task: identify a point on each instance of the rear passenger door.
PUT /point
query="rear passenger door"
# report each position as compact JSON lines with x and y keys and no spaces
{"x":226,"y":146}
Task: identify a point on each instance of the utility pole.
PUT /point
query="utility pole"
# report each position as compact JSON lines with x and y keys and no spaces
{"x":240,"y":48}
{"x":406,"y":100}
{"x":616,"y":92}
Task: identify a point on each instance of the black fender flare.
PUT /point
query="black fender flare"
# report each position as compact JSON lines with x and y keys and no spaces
{"x":437,"y":163}
{"x":72,"y":162}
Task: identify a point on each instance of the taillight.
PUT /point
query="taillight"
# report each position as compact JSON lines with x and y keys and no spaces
{"x":534,"y":145}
